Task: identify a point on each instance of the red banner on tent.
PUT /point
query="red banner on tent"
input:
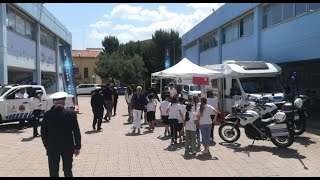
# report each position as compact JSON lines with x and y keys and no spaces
{"x":200,"y":80}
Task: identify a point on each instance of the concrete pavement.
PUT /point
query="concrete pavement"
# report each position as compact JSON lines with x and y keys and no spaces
{"x":115,"y":152}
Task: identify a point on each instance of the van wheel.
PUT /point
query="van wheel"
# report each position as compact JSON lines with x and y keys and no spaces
{"x":1,"y":119}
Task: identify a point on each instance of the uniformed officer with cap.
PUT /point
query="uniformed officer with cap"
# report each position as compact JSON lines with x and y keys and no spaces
{"x":60,"y":135}
{"x":37,"y":104}
{"x":97,"y":103}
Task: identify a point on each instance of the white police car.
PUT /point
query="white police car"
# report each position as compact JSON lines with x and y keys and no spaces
{"x":13,"y":109}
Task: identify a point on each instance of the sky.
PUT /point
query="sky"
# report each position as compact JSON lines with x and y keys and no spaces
{"x":89,"y":23}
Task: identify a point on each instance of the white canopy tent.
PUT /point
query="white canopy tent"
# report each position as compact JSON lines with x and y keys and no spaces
{"x":185,"y":68}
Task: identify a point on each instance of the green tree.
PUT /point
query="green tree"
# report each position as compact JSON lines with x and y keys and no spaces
{"x":110,"y":44}
{"x":163,"y":40}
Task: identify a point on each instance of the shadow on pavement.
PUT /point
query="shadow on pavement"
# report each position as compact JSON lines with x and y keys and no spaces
{"x":27,"y":139}
{"x":206,"y":157}
{"x":188,"y":156}
{"x":10,"y":128}
{"x":134,"y":134}
{"x":164,"y":138}
{"x":175,"y":147}
{"x":127,"y":123}
{"x":148,"y":132}
{"x":104,"y":121}
{"x":92,"y":132}
{"x":281,"y":152}
{"x":125,"y":115}
{"x":305,"y":141}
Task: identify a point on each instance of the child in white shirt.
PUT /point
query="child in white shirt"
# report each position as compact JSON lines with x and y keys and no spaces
{"x":151,"y":108}
{"x":191,"y":130}
{"x":174,"y":110}
{"x":164,"y":115}
{"x":181,"y":120}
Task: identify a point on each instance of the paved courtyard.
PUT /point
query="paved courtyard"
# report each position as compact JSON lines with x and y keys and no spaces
{"x":115,"y":152}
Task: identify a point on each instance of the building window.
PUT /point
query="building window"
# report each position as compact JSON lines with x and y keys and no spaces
{"x":267,"y":21}
{"x":301,"y":8}
{"x":11,"y":19}
{"x":288,"y":10}
{"x":30,"y":30}
{"x":209,"y":41}
{"x":246,"y":25}
{"x":76,"y":71}
{"x":20,"y":25}
{"x":276,"y":13}
{"x":231,"y":32}
{"x":85,"y":73}
{"x":47,"y":39}
{"x":314,"y":6}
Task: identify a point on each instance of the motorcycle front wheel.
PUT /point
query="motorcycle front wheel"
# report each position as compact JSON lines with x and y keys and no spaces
{"x":299,"y":127}
{"x":229,"y":133}
{"x":283,"y":141}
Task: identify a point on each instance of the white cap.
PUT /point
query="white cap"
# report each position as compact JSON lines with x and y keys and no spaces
{"x":115,"y":88}
{"x":58,"y":95}
{"x":139,"y":87}
{"x":39,"y":91}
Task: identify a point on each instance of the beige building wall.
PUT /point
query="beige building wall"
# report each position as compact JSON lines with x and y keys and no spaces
{"x":82,"y":60}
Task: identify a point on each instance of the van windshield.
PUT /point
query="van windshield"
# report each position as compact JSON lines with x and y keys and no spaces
{"x":195,"y":88}
{"x":258,"y":85}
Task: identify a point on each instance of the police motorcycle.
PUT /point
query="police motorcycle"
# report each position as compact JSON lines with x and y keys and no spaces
{"x":276,"y":129}
{"x":298,"y":116}
{"x":298,"y":111}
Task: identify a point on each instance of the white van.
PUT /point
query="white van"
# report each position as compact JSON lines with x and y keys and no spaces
{"x":241,"y":78}
{"x":190,"y":90}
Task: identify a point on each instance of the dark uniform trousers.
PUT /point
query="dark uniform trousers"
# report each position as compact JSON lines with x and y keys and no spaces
{"x":54,"y":160}
{"x":115,"y":103}
{"x":35,"y":121}
{"x":97,"y":117}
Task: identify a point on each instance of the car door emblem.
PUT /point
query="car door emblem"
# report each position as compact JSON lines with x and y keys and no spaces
{"x":22,"y":108}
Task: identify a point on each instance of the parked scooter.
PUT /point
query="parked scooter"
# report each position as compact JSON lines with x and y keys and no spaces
{"x":278,"y":128}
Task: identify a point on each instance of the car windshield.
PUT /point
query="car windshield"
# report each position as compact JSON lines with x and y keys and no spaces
{"x":258,"y":85}
{"x":3,"y":90}
{"x":195,"y":88}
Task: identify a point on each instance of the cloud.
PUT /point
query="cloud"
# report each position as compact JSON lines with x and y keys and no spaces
{"x":144,"y":22}
{"x":100,"y":24}
{"x":94,"y":34}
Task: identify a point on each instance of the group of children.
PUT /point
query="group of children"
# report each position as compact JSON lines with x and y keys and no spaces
{"x":185,"y":120}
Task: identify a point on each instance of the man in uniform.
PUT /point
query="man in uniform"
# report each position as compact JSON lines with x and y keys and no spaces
{"x":36,"y":104}
{"x":22,"y":94}
{"x":97,"y":103}
{"x":60,"y":135}
{"x":115,"y":100}
{"x":108,"y":101}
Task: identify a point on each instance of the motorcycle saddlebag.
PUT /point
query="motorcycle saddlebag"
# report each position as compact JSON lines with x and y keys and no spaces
{"x":278,"y":129}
